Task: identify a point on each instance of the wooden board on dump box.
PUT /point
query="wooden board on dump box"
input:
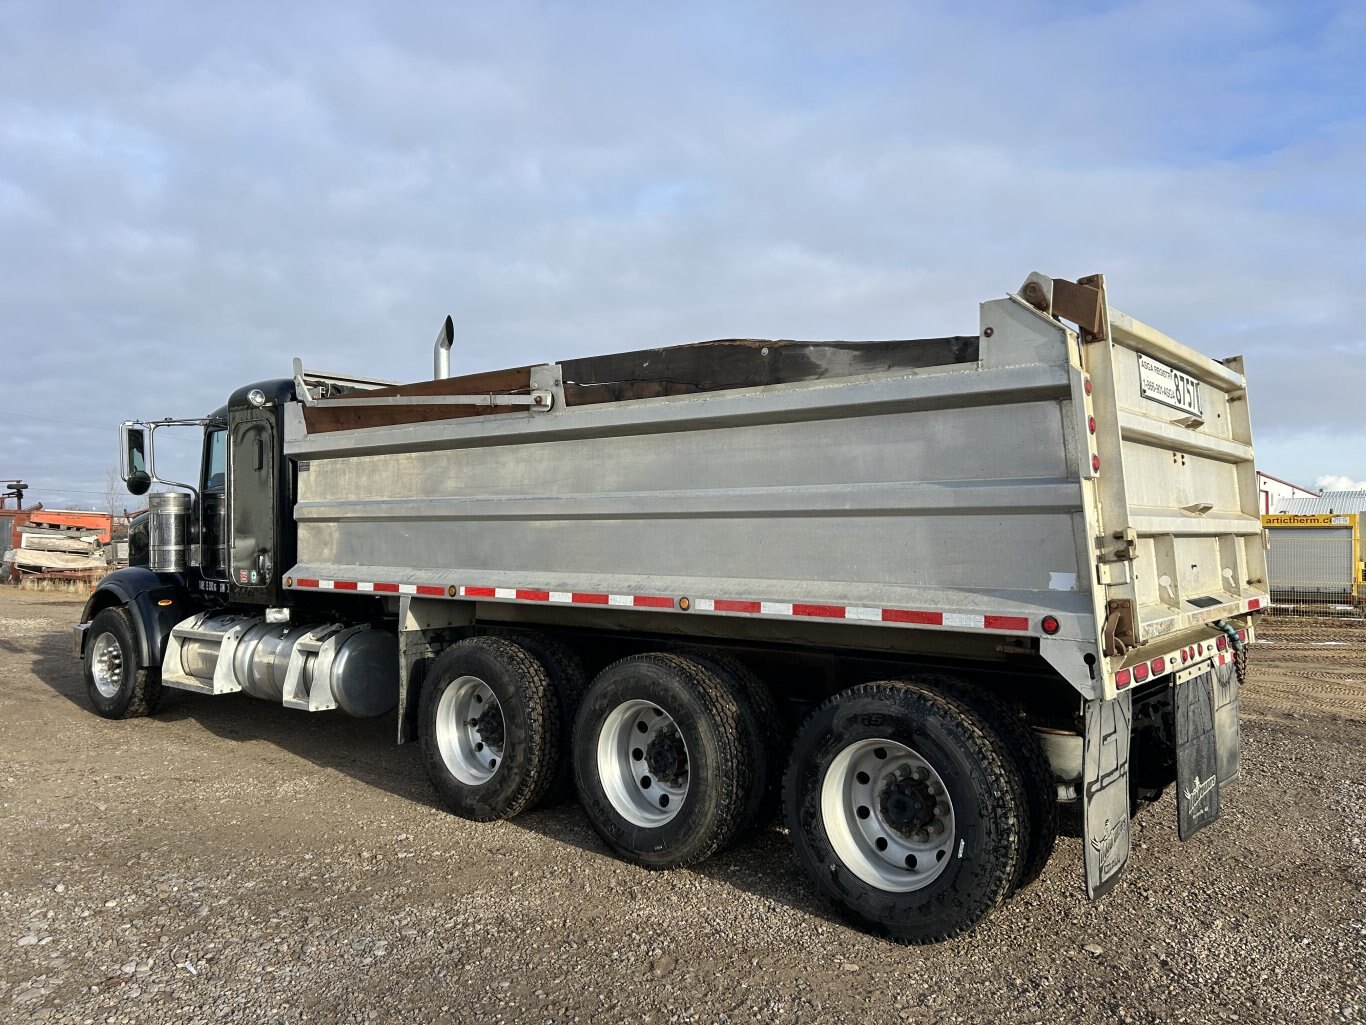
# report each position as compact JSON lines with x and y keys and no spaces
{"x":652,"y":373}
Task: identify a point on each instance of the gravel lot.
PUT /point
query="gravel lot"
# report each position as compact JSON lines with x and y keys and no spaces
{"x":235,"y":861}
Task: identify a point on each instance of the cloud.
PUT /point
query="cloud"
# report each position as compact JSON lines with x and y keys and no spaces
{"x":1330,"y":482}
{"x":190,"y":198}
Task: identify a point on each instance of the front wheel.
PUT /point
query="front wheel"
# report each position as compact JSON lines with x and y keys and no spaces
{"x":116,"y":686}
{"x":903,"y":811}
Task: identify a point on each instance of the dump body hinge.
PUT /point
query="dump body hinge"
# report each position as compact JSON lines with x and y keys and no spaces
{"x":1118,"y":634}
{"x":1082,"y":302}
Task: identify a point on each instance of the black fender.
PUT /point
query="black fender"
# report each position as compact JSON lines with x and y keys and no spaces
{"x":155,"y":601}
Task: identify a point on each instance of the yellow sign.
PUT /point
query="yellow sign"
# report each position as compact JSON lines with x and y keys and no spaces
{"x":1309,"y":520}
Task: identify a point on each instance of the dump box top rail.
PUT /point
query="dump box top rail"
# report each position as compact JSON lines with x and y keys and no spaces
{"x":1087,"y":493}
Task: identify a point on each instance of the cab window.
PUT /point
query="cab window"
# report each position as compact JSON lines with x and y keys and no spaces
{"x":216,"y":460}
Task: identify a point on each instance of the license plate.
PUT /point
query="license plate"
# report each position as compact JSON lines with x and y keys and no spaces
{"x":1163,"y":384}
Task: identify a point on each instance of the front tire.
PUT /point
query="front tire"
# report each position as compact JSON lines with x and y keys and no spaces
{"x":117,"y":688}
{"x":490,"y":728}
{"x":903,"y":811}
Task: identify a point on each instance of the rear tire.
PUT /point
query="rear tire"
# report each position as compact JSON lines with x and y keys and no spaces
{"x":763,"y":731}
{"x":903,"y":811}
{"x":118,"y":689}
{"x":568,"y":681}
{"x":1036,"y":776}
{"x":661,"y":760}
{"x":490,"y":728}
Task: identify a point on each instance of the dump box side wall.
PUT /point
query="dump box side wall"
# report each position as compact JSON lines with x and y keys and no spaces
{"x":974,"y":497}
{"x":951,"y":492}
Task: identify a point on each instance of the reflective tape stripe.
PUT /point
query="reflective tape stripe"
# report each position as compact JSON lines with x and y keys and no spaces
{"x":729,"y":606}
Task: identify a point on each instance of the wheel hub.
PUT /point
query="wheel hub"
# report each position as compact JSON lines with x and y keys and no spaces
{"x":490,"y":726}
{"x":470,"y":730}
{"x":667,"y":757}
{"x":888,"y":815}
{"x":906,"y":802}
{"x":643,"y":763}
{"x":106,"y":665}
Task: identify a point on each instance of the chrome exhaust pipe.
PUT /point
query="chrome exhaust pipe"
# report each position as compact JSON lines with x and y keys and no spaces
{"x":441,"y":354}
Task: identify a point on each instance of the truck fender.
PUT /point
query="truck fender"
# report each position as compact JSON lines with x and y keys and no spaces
{"x":142,"y":593}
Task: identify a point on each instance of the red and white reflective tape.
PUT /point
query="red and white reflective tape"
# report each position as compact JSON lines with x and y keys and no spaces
{"x":630,"y":601}
{"x":863,"y":613}
{"x":724,"y":606}
{"x":369,"y":587}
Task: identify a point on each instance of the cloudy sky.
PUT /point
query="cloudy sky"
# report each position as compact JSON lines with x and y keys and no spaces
{"x":192,"y":194}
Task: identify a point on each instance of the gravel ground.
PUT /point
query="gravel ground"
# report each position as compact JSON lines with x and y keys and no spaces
{"x":235,"y":861}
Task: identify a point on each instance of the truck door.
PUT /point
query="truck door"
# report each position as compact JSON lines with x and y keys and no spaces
{"x":252,"y":502}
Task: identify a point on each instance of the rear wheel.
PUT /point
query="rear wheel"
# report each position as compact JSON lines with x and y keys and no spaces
{"x":661,"y":761}
{"x":904,"y":811}
{"x":490,"y":728}
{"x":117,"y":687}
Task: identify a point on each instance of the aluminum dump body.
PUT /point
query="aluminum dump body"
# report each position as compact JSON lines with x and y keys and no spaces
{"x":1031,"y":486}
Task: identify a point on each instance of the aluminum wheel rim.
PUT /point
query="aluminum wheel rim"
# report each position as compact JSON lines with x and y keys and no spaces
{"x":636,"y":791}
{"x":106,"y":665}
{"x":863,"y":796}
{"x":470,"y":757}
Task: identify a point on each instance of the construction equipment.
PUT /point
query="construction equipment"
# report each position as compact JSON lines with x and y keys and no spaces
{"x":934,"y":585}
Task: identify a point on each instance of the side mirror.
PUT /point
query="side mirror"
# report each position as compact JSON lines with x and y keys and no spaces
{"x":134,"y":449}
{"x":139,"y":482}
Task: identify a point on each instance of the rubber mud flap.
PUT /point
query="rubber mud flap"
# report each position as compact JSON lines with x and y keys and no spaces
{"x":1105,"y":792}
{"x":1197,"y":763}
{"x":1227,"y":739}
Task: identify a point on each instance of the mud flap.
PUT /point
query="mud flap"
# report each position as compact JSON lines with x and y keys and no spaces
{"x":1228,"y":742}
{"x":1105,"y":792}
{"x":1197,"y":758}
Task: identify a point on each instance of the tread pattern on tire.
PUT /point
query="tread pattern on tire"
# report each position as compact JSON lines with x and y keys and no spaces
{"x":542,"y":726}
{"x":763,"y":729}
{"x":568,"y":681}
{"x":733,"y":769}
{"x":1036,"y":775}
{"x":1003,"y":813}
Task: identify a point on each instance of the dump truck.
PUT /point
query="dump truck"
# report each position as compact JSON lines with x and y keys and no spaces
{"x":916,"y":594}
